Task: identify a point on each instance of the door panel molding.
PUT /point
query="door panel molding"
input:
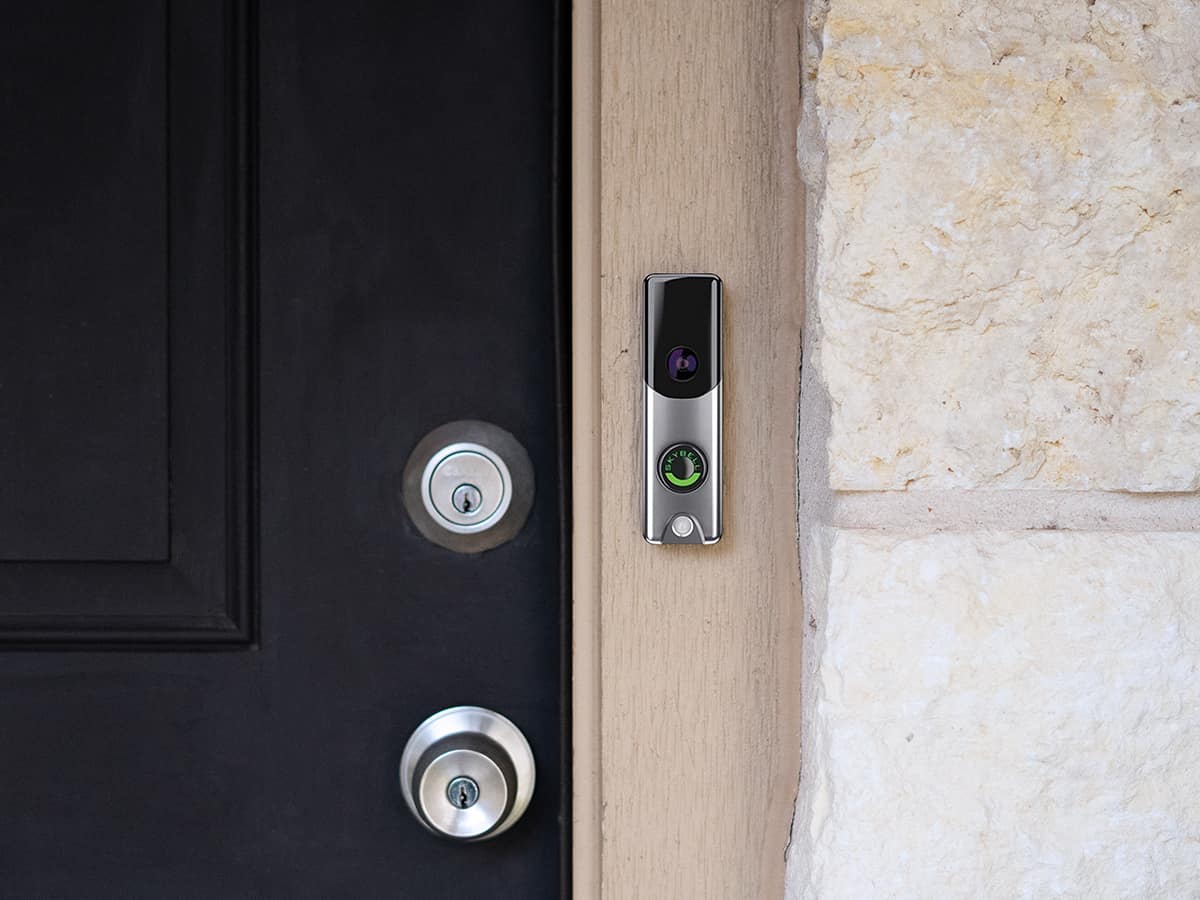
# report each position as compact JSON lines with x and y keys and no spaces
{"x":197,"y":587}
{"x":686,"y":664}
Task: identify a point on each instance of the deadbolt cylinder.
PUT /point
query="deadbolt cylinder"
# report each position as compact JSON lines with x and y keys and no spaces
{"x":468,"y":486}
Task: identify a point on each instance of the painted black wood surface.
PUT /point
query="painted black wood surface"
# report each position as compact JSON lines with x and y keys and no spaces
{"x":249,"y":255}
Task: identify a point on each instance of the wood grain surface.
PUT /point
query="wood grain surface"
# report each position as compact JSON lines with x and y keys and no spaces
{"x":697,"y":674}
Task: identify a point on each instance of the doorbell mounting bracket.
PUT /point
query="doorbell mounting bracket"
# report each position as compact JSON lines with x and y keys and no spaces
{"x":682,"y":409}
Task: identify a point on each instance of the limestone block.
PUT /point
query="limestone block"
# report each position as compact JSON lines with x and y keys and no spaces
{"x":1007,"y":269}
{"x":1001,"y":715}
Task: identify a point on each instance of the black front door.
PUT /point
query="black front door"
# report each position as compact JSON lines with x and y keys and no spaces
{"x":250,"y":254}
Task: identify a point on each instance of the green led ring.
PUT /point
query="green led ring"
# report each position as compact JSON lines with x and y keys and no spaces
{"x":682,"y":468}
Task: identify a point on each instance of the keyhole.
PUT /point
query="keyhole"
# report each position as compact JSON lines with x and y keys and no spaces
{"x":466,"y":499}
{"x":462,"y":792}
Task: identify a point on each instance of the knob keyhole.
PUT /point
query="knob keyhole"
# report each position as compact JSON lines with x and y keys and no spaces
{"x":463,"y":792}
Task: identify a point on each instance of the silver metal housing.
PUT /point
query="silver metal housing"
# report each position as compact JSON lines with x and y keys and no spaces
{"x":669,"y":421}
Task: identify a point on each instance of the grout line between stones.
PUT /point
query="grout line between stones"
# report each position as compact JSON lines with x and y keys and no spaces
{"x":1015,"y":510}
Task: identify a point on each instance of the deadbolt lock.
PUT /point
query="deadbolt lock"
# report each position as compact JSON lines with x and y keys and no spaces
{"x":468,"y":486}
{"x":465,"y":486}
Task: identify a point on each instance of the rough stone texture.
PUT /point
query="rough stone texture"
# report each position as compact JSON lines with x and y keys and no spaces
{"x":1001,"y":715}
{"x":1007,"y":271}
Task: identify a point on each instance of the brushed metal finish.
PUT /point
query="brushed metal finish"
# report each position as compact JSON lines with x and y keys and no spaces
{"x":475,"y":743}
{"x":467,"y":822}
{"x":468,"y":454}
{"x":671,"y":421}
{"x":460,"y":465}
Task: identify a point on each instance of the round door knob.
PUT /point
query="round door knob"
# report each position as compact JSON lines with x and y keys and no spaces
{"x":467,"y":773}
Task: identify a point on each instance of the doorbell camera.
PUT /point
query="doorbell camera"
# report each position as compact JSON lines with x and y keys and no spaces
{"x":682,"y":409}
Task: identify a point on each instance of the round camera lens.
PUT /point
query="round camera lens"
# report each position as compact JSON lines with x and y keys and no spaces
{"x":682,"y":363}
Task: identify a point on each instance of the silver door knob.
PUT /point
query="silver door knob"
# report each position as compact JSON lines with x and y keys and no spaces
{"x":467,"y":773}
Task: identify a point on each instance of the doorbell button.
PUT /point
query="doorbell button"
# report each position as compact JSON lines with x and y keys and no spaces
{"x":682,"y":526}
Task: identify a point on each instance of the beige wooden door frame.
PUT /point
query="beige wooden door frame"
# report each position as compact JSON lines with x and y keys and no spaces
{"x":686,"y":658}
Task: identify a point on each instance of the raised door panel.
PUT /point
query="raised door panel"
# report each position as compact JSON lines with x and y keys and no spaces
{"x":126,"y":323}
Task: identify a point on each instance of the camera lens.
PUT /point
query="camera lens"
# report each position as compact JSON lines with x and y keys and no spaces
{"x":682,"y":363}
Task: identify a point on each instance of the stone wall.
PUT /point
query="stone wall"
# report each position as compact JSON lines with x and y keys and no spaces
{"x":1000,"y":421}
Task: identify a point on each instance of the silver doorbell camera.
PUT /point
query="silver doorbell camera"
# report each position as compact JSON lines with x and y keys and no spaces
{"x":682,"y":409}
